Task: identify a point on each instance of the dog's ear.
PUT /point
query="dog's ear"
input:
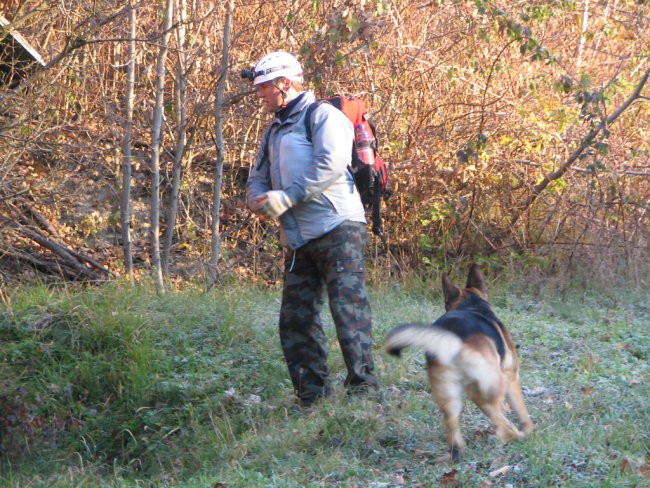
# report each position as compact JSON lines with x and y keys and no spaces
{"x":475,"y":279}
{"x":450,"y":291}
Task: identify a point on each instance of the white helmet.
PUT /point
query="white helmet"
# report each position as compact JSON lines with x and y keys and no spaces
{"x":275,"y":65}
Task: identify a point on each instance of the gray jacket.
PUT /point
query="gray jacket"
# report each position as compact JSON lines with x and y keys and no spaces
{"x":313,"y":175}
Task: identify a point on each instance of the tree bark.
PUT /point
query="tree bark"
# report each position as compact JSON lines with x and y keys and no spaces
{"x":218,"y":174}
{"x":583,"y":34}
{"x":156,"y":143}
{"x":180,"y":112}
{"x":125,"y":207}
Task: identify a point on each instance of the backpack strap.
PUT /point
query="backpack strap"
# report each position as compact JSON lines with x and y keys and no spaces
{"x":307,"y":120}
{"x":334,"y":101}
{"x":377,"y":227}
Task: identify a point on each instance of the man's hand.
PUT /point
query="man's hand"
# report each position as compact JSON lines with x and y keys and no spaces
{"x":272,"y":204}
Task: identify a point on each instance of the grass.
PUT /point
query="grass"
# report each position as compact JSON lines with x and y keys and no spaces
{"x":118,"y":387}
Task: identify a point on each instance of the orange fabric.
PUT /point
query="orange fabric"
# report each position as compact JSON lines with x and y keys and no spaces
{"x":355,"y":109}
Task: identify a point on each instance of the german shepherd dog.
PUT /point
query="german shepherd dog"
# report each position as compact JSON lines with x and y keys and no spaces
{"x":469,"y":349}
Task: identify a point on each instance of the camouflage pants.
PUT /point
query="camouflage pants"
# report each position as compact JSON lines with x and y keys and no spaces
{"x":333,"y":262}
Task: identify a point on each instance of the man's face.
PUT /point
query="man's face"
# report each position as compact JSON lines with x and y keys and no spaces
{"x":271,"y":95}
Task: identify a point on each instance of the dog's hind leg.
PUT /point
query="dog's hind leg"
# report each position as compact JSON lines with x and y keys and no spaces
{"x":505,"y":430}
{"x":516,"y":401}
{"x":447,"y":392}
{"x":488,"y":391}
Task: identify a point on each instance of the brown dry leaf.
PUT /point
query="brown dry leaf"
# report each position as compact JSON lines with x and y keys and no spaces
{"x":627,"y":464}
{"x":632,"y":465}
{"x":644,"y":470}
{"x":449,"y":479}
{"x":587,"y":390}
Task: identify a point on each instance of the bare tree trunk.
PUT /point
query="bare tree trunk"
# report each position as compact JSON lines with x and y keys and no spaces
{"x":125,"y":209}
{"x":218,"y":176}
{"x":583,"y":33}
{"x":605,"y":20}
{"x":180,"y":112}
{"x":156,"y":143}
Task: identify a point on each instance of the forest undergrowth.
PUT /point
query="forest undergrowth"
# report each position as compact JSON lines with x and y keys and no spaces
{"x":508,"y":128}
{"x":117,"y":386}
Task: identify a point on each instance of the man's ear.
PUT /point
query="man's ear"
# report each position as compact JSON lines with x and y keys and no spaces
{"x":283,"y":84}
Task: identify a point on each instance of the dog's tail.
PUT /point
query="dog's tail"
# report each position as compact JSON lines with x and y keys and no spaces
{"x":441,"y":343}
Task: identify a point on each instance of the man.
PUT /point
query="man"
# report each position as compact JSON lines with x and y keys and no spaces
{"x":307,"y":186}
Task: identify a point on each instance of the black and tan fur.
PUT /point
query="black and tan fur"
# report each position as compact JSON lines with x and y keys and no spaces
{"x":468,"y":350}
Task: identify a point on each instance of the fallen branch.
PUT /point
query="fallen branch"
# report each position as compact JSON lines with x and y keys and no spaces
{"x":37,"y":262}
{"x":61,"y":251}
{"x":91,"y":261}
{"x":21,"y":215}
{"x":40,"y":219}
{"x":24,"y":256}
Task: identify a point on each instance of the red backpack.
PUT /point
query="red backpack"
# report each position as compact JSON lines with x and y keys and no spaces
{"x":368,"y":169}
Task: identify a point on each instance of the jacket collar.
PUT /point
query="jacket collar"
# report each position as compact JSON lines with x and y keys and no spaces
{"x":294,"y":107}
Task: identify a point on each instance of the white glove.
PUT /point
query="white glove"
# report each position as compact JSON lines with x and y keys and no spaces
{"x":272,"y":204}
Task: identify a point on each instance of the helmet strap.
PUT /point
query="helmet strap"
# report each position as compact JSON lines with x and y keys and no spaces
{"x":278,"y":85}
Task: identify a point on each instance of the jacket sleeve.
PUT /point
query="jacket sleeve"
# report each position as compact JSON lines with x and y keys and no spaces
{"x":259,"y":178}
{"x":332,"y":136}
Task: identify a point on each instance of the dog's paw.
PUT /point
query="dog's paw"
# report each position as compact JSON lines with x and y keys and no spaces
{"x":527,"y":428}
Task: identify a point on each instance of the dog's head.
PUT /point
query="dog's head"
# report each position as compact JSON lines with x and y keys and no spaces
{"x":475,"y":284}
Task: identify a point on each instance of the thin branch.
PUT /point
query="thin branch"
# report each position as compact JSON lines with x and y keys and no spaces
{"x":72,"y":44}
{"x":586,"y":142}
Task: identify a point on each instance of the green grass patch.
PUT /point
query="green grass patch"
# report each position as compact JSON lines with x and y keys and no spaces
{"x":116,"y":386}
